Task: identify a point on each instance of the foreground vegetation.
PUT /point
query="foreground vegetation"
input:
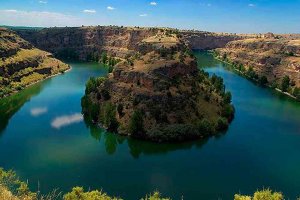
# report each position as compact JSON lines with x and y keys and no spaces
{"x":12,"y":188}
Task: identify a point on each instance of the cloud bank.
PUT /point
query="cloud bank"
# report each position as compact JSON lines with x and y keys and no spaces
{"x":37,"y":18}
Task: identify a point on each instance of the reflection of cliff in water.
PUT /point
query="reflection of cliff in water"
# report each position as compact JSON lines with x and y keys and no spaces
{"x":137,"y":147}
{"x":10,"y":105}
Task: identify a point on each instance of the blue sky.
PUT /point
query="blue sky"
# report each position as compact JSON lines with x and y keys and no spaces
{"x":241,"y":16}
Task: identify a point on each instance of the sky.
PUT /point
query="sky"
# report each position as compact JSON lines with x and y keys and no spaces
{"x":235,"y":16}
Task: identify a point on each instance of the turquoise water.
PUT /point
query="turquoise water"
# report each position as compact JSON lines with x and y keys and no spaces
{"x":44,"y":138}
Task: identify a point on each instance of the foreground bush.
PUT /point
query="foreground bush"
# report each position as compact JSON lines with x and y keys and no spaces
{"x":265,"y":194}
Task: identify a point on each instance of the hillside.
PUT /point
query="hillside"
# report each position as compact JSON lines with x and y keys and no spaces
{"x":87,"y":43}
{"x":159,"y":94}
{"x":21,"y":64}
{"x":271,"y":61}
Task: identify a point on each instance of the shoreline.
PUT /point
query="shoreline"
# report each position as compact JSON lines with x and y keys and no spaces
{"x":267,"y":85}
{"x":33,"y":83}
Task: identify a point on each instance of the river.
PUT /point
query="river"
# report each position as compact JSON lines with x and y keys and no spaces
{"x":45,"y":140}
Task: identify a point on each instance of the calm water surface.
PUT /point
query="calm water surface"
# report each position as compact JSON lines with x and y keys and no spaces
{"x":43,"y":138}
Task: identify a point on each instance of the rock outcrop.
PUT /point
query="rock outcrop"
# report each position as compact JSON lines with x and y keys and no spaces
{"x":21,"y":64}
{"x":159,"y":94}
{"x":274,"y":59}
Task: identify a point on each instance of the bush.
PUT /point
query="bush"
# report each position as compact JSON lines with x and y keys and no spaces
{"x":205,"y":127}
{"x":120,"y":108}
{"x":155,"y":196}
{"x":93,"y":83}
{"x":222,"y":124}
{"x":263,"y":80}
{"x":285,"y":83}
{"x":265,"y":194}
{"x":10,"y":182}
{"x":227,"y":98}
{"x":296,"y":93}
{"x":136,"y":124}
{"x":78,"y":193}
{"x":228,"y":112}
{"x":108,"y":117}
{"x":174,"y":132}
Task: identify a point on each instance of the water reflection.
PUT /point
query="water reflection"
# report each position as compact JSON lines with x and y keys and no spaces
{"x":10,"y":105}
{"x":138,"y":147}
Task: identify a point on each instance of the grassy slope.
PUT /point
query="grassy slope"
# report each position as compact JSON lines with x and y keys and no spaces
{"x":22,"y":65}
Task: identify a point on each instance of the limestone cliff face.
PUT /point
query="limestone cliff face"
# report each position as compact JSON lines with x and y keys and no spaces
{"x":21,"y":64}
{"x":158,"y":94}
{"x":86,"y":42}
{"x":207,"y":40}
{"x":273,"y":58}
{"x":83,"y":42}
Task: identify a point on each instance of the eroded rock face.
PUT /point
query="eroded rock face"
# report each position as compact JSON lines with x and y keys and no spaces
{"x":21,"y":64}
{"x":84,"y":42}
{"x":273,"y":58}
{"x":159,"y":95}
{"x":208,"y":40}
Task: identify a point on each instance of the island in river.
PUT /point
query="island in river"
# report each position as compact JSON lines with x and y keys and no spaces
{"x":159,"y":94}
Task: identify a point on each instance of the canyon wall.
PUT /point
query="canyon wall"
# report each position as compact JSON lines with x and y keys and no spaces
{"x":268,"y":57}
{"x":89,"y":42}
{"x":21,"y":64}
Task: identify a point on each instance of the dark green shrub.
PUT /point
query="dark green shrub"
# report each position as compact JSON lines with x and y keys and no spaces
{"x":108,"y":117}
{"x":285,"y":83}
{"x":136,"y":124}
{"x":227,"y":98}
{"x":228,"y":111}
{"x":205,"y":127}
{"x":120,"y":109}
{"x":222,"y":124}
{"x":263,"y":80}
{"x":296,"y":93}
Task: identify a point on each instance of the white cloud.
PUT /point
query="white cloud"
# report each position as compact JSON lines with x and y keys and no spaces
{"x":143,"y":15}
{"x":110,"y":8}
{"x":43,"y":2}
{"x":66,"y":120}
{"x":10,"y":11}
{"x":38,"y":111}
{"x":89,"y":11}
{"x":251,"y":5}
{"x":37,"y":18}
{"x":153,"y":3}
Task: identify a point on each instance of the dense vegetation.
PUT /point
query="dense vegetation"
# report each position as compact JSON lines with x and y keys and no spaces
{"x":12,"y":188}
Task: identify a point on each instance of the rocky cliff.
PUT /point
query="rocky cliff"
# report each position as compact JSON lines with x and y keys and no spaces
{"x":21,"y":64}
{"x":87,"y":43}
{"x":159,"y":94}
{"x":277,"y":61}
{"x":200,"y":40}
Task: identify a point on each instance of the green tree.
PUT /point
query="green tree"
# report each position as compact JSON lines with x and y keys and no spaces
{"x":263,"y":80}
{"x":296,"y":93}
{"x":227,"y":97}
{"x":205,"y":127}
{"x":285,"y":83}
{"x":108,"y":117}
{"x":78,"y":193}
{"x":136,"y":124}
{"x":104,"y":58}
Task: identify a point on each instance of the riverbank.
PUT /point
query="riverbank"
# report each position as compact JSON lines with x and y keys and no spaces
{"x":244,"y":74}
{"x":33,"y":83}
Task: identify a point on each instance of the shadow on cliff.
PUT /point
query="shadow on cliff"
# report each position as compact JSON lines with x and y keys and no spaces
{"x":138,"y":147}
{"x":10,"y":105}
